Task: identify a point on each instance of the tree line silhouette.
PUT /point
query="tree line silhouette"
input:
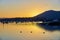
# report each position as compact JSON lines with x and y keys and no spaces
{"x":18,"y":19}
{"x":46,"y":16}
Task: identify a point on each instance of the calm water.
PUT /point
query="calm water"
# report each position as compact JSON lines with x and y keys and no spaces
{"x":28,"y":31}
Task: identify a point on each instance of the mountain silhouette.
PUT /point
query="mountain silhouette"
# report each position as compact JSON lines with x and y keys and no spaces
{"x":48,"y":15}
{"x":52,"y":19}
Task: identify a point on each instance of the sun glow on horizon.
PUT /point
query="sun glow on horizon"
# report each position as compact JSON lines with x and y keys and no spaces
{"x":26,"y":8}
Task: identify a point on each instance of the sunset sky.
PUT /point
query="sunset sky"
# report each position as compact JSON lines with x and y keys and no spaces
{"x":26,"y":8}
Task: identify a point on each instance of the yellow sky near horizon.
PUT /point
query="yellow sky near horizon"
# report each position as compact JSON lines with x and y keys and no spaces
{"x":26,"y":8}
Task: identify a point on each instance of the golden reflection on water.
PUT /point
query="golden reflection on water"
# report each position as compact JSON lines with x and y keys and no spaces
{"x":26,"y":32}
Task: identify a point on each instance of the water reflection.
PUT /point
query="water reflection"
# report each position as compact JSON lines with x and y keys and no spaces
{"x":27,"y":31}
{"x":49,"y":27}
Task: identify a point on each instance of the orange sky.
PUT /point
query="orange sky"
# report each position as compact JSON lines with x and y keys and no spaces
{"x":26,"y":8}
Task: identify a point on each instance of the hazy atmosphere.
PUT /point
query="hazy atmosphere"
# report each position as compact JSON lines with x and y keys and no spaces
{"x":29,"y":19}
{"x":26,"y":8}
